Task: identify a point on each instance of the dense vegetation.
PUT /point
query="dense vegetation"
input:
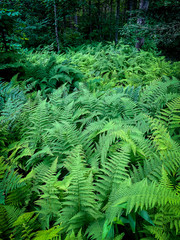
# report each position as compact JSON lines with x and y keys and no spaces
{"x":64,"y":23}
{"x":89,"y":146}
{"x":89,"y":129}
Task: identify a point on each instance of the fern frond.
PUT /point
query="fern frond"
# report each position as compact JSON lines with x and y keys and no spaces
{"x":26,"y":225}
{"x":73,"y":236}
{"x":8,"y":215}
{"x":79,"y":204}
{"x":95,"y":229}
{"x":168,"y":149}
{"x":47,"y":234}
{"x":49,"y":204}
{"x":170,"y":115}
{"x":113,"y":172}
{"x":12,"y":100}
{"x":142,"y":195}
{"x":151,"y":170}
{"x":158,"y":233}
{"x":11,"y":181}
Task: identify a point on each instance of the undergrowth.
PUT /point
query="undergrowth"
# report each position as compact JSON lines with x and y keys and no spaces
{"x":89,"y":147}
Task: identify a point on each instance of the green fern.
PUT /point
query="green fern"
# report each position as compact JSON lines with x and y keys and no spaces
{"x":170,"y":117}
{"x":26,"y":225}
{"x":8,"y":215}
{"x":48,"y":234}
{"x":49,"y":204}
{"x":93,"y":156}
{"x":95,"y":229}
{"x":142,"y":195}
{"x":79,"y":204}
{"x":113,"y":173}
{"x":168,"y":149}
{"x":12,"y":100}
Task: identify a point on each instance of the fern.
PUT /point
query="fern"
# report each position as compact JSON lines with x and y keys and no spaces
{"x":170,"y":116}
{"x":95,"y":229}
{"x":158,"y":233}
{"x":79,"y":204}
{"x":113,"y":173}
{"x":48,"y":234}
{"x":11,"y":181}
{"x":168,"y":149}
{"x":12,"y":100}
{"x":155,"y":95}
{"x":150,"y":170}
{"x":49,"y":203}
{"x":49,"y":75}
{"x":8,"y":215}
{"x":82,"y":160}
{"x":73,"y":236}
{"x":26,"y":225}
{"x":143,"y":195}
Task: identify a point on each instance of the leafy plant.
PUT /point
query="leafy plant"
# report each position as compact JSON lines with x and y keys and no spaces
{"x":91,"y":161}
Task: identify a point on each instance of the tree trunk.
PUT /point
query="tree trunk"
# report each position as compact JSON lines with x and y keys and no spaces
{"x":99,"y":19}
{"x":124,"y":8}
{"x":111,"y":13}
{"x":56,"y":26}
{"x":105,"y":12}
{"x":130,"y":7}
{"x":90,"y":25}
{"x":117,"y":20}
{"x":143,"y":6}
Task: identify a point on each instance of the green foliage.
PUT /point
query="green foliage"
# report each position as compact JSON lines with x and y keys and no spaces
{"x":72,"y":38}
{"x":10,"y":29}
{"x":49,"y":202}
{"x":160,"y":29}
{"x":102,"y":67}
{"x":170,"y":117}
{"x":49,"y":234}
{"x":12,"y":99}
{"x":48,"y":75}
{"x":32,"y":24}
{"x":11,"y":63}
{"x":79,"y":204}
{"x":91,"y":161}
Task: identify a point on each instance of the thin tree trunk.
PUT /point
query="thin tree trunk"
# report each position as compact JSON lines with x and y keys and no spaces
{"x":124,"y":11}
{"x":117,"y":20}
{"x":143,"y":6}
{"x":90,"y":24}
{"x":111,"y":13}
{"x":130,"y":5}
{"x":104,"y":22}
{"x":105,"y":12}
{"x":130,"y":8}
{"x":99,"y":19}
{"x":56,"y":26}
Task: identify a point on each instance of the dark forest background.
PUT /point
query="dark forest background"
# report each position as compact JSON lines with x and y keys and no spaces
{"x":65,"y":23}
